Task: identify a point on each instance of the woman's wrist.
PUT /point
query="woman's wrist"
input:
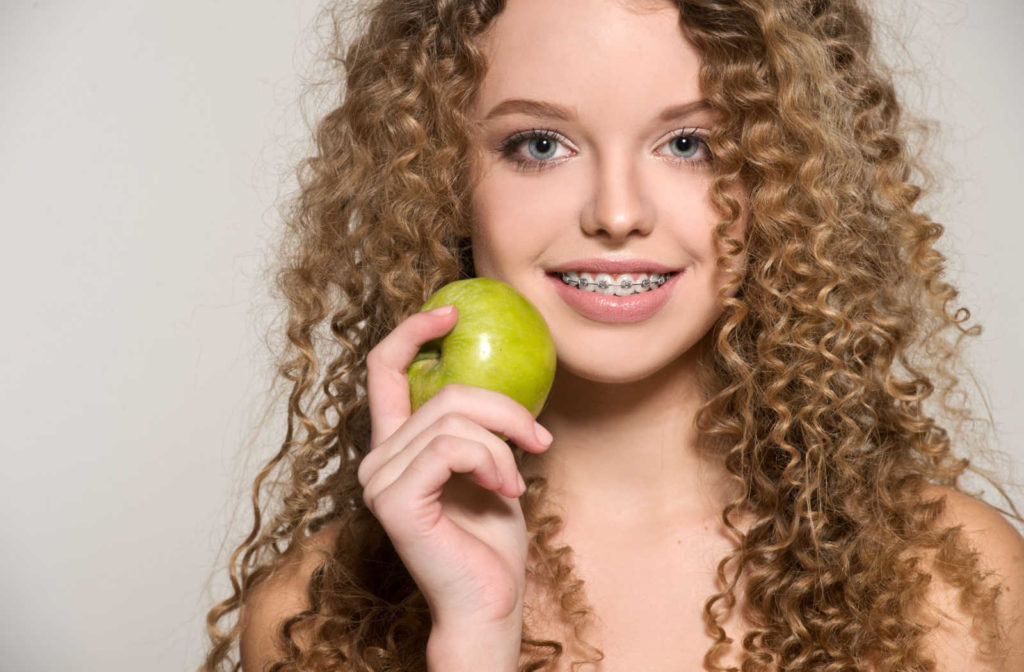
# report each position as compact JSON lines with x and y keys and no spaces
{"x":472,"y":648}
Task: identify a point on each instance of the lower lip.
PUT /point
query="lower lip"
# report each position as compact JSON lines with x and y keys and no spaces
{"x":615,"y":309}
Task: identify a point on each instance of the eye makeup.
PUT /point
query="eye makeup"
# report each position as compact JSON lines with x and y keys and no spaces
{"x":508,"y":148}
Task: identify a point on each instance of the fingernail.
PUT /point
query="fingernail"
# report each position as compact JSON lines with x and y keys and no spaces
{"x":522,"y":483}
{"x":543,"y":435}
{"x":443,"y":310}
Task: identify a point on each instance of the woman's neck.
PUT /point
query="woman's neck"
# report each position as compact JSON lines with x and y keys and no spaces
{"x":628,"y":452}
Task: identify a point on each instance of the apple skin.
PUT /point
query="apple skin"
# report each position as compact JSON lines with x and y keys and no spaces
{"x":499,"y":342}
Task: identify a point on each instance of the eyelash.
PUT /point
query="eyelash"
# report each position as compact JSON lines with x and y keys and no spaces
{"x":507,"y":147}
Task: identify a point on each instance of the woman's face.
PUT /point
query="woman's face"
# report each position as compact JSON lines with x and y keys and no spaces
{"x":607,"y":162}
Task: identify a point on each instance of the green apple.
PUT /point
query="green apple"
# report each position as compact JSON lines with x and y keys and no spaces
{"x":500,"y":342}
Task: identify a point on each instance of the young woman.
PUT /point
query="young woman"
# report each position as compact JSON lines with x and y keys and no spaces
{"x":735,"y":466}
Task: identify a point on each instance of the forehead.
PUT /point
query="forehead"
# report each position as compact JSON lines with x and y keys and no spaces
{"x":588,"y":53}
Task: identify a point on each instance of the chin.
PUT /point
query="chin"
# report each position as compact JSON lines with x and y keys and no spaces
{"x":616,"y":370}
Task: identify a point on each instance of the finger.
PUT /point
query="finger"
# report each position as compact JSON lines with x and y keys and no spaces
{"x":457,"y":425}
{"x":491,"y":410}
{"x":387,"y":387}
{"x":422,"y":481}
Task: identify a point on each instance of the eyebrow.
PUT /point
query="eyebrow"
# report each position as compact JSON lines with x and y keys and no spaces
{"x":538,"y":108}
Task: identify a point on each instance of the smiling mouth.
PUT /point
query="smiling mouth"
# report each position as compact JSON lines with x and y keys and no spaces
{"x":619,"y":284}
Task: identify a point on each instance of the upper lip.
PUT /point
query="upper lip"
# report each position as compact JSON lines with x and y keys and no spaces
{"x":602,"y":265}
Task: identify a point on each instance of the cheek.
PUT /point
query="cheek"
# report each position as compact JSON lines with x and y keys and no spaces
{"x":513,"y":222}
{"x":485,"y":227}
{"x":483,"y":246}
{"x":497,"y":232}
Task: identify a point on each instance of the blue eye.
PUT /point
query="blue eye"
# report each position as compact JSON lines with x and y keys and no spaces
{"x":684,"y":146}
{"x":690,"y":147}
{"x":541,"y":146}
{"x":544,"y":145}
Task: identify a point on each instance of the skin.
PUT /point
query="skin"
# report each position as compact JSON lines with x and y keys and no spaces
{"x":614,"y":185}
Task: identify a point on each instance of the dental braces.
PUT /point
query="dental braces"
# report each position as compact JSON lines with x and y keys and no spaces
{"x":625,"y":283}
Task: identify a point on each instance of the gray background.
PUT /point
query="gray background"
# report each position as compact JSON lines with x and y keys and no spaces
{"x":144,"y":147}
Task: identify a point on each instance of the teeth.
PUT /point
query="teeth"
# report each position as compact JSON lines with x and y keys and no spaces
{"x":624,"y":284}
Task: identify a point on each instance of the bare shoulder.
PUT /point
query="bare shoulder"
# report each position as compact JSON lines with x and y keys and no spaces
{"x":282,"y":595}
{"x":1001,"y":551}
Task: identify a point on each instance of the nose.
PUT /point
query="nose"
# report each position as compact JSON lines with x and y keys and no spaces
{"x":619,"y":206}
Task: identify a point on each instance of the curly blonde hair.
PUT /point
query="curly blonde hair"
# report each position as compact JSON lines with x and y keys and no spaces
{"x":816,"y":375}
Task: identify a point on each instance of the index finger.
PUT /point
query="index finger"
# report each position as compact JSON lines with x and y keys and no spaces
{"x":387,"y":384}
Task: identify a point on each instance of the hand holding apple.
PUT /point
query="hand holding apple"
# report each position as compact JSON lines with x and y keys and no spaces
{"x":445,"y":487}
{"x":500,"y":342}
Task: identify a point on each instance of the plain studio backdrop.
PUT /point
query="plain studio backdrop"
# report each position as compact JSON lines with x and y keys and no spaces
{"x":145,"y":147}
